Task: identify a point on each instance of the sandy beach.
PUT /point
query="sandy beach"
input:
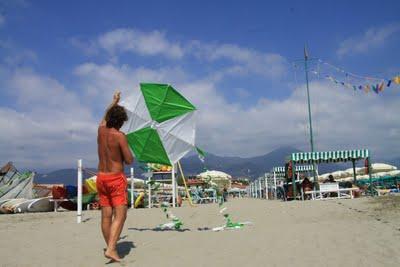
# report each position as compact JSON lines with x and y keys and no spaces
{"x":312,"y":233}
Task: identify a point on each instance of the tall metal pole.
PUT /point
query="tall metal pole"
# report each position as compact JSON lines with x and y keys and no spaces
{"x":309,"y":109}
{"x":308,"y":99}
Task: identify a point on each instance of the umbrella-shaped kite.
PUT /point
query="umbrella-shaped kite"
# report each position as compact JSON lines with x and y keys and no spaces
{"x":161,"y":124}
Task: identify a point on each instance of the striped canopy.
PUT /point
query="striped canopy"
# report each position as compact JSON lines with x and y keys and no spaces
{"x":278,"y":169}
{"x":299,"y":168}
{"x":329,"y":156}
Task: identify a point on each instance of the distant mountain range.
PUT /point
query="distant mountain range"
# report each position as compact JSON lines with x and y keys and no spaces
{"x":236,"y":166}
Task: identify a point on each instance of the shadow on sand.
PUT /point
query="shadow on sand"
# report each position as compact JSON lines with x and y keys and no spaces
{"x":204,"y":229}
{"x":157,"y":229}
{"x":123,"y":248}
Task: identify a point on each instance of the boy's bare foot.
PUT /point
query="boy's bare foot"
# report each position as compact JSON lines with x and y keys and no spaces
{"x":112,"y":255}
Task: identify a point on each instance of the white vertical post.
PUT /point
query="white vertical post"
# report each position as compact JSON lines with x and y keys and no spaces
{"x":173,"y":186}
{"x":149,"y":188}
{"x":266,"y":186}
{"x":79,"y":210}
{"x":256,"y":189}
{"x":132,"y":189}
{"x":275,"y":194}
{"x":259,"y":186}
{"x":250,"y":190}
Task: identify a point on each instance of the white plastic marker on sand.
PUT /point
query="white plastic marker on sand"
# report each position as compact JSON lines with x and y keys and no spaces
{"x":132,"y":188}
{"x":79,"y":209}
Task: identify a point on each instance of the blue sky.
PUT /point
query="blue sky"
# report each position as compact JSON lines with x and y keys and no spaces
{"x":61,"y":61}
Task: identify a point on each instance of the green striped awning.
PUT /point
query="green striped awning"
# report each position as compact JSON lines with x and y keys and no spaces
{"x":278,"y":169}
{"x":299,"y":168}
{"x":329,"y":156}
{"x":304,"y":168}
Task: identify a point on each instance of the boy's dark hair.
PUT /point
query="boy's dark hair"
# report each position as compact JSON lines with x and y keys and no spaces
{"x":116,"y":116}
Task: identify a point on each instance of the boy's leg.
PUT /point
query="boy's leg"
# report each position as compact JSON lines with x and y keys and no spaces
{"x":116,"y":228}
{"x":106,"y":219}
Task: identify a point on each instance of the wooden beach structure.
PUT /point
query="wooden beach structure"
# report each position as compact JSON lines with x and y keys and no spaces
{"x":330,"y":157}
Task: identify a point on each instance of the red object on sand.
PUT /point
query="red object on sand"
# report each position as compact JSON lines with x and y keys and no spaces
{"x":59,"y":192}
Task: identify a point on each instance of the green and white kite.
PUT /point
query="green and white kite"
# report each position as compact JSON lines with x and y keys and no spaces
{"x":229,"y":224}
{"x":175,"y":224}
{"x":161,"y":124}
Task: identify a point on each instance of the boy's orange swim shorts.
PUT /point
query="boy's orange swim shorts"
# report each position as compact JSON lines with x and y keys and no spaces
{"x":112,"y":189}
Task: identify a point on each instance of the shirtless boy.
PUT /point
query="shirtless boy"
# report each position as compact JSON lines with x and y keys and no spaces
{"x":111,"y":182}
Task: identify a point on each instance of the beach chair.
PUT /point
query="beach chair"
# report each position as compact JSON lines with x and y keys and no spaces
{"x":325,"y":192}
{"x":199,"y":196}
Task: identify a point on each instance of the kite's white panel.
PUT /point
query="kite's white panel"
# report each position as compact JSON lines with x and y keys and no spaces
{"x":138,"y":115}
{"x":178,"y":135}
{"x":182,"y":127}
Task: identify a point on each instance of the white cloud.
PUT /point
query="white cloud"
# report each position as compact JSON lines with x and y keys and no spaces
{"x":52,"y":126}
{"x":251,"y":61}
{"x":16,"y":56}
{"x":143,"y":43}
{"x":238,"y":60}
{"x":343,"y":119}
{"x":100,"y":81}
{"x":48,"y":126}
{"x":373,"y":37}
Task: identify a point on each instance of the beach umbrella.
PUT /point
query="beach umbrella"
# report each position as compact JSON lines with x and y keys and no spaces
{"x":161,"y":124}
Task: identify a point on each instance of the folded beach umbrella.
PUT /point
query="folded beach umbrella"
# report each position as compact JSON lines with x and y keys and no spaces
{"x":161,"y":124}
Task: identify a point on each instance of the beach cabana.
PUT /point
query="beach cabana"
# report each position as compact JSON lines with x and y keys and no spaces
{"x":279,"y":173}
{"x":330,"y":157}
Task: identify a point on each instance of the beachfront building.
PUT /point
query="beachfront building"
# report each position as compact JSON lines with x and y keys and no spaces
{"x":221,"y":179}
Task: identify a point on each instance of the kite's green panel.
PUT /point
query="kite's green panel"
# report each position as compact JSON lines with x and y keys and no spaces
{"x":147,"y":146}
{"x":164,"y":102}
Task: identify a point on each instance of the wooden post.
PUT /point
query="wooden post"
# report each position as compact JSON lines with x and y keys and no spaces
{"x":184,"y":182}
{"x":79,"y":209}
{"x":354,"y":171}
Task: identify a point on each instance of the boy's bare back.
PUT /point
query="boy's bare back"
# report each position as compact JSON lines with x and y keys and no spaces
{"x":113,"y":150}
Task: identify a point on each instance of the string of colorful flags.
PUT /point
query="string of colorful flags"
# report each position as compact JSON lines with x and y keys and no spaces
{"x":377,"y":88}
{"x":354,"y":81}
